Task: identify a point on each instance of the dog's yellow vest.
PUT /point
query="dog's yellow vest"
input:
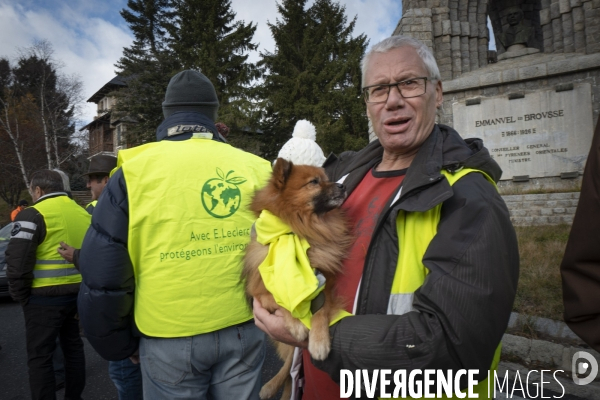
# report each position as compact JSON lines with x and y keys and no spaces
{"x":286,"y":271}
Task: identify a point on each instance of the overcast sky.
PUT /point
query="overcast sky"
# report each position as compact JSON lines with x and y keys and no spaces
{"x":89,"y":36}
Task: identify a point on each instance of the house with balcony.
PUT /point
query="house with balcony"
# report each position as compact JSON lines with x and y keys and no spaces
{"x":106,"y":133}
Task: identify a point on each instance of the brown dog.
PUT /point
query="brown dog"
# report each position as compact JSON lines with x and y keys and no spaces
{"x":303,"y":197}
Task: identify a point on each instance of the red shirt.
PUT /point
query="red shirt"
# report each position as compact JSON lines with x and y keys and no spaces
{"x":362,"y":208}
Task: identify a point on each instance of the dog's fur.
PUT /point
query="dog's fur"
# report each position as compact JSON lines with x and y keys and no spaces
{"x":303,"y":198}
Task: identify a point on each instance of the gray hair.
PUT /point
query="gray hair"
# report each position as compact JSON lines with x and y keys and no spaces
{"x":48,"y":181}
{"x":398,"y":41}
{"x":65,"y":179}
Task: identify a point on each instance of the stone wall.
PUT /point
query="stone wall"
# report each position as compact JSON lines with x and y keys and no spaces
{"x":457,"y":32}
{"x":517,"y":77}
{"x":553,"y":184}
{"x":571,"y":26}
{"x":542,"y":209}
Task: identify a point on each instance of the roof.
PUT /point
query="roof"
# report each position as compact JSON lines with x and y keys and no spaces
{"x":125,"y":119}
{"x":113,"y":84}
{"x":104,"y":119}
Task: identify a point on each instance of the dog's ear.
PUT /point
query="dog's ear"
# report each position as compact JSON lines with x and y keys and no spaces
{"x":281,"y":172}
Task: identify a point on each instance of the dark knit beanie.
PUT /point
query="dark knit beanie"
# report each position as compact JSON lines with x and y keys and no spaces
{"x":191,"y":91}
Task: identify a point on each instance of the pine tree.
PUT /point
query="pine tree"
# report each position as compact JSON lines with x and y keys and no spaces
{"x":285,"y":97}
{"x":172,"y":35}
{"x":206,"y":38}
{"x":314,"y":74}
{"x":146,"y":66}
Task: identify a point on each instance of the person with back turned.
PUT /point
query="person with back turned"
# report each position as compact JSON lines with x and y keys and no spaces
{"x":46,"y":285}
{"x":161,"y":263}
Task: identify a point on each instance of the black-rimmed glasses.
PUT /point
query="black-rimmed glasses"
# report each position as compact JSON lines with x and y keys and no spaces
{"x":408,"y":88}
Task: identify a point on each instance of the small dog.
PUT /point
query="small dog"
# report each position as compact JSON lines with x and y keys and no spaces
{"x":302,"y":197}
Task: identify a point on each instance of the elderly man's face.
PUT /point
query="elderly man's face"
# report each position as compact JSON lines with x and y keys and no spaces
{"x":402,"y":125}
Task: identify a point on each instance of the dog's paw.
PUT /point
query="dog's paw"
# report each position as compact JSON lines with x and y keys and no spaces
{"x":298,"y":330}
{"x":319,"y":349}
{"x":268,"y":391}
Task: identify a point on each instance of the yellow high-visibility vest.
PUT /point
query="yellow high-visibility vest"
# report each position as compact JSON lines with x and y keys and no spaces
{"x":415,"y":231}
{"x":65,"y":221}
{"x":90,"y":206}
{"x":189,"y":224}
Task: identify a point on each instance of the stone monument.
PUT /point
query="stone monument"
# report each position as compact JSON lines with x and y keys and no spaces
{"x":519,"y":37}
{"x":537,"y":105}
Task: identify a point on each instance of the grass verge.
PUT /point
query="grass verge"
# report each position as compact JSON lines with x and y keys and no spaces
{"x":541,"y":248}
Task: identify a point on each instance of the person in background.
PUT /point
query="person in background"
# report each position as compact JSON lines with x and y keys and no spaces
{"x":46,"y":285}
{"x":580,"y":267}
{"x":125,"y":374}
{"x":22,"y":205}
{"x":98,"y":172}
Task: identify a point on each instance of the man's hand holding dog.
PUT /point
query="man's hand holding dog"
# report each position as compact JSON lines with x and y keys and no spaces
{"x":274,"y":326}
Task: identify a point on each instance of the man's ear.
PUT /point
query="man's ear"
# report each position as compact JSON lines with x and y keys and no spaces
{"x":439,"y":94}
{"x":281,"y":172}
{"x":38,"y":191}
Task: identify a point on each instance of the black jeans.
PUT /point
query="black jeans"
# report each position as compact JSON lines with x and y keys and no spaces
{"x":43,"y":324}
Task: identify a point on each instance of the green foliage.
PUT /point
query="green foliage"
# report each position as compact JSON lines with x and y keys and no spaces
{"x":173,"y":35}
{"x":206,"y":38}
{"x":313,"y":74}
{"x":146,"y":66}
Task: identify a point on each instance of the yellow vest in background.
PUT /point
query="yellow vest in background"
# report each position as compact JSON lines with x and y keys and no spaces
{"x":415,"y":231}
{"x":90,"y":206}
{"x":65,"y":221}
{"x":189,"y":224}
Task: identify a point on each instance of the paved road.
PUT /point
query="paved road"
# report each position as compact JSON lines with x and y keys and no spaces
{"x":13,"y":361}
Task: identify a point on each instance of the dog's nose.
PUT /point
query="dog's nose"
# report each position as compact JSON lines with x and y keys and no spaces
{"x":341,"y":186}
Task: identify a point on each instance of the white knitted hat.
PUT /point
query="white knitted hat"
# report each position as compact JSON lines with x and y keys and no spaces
{"x":302,"y":147}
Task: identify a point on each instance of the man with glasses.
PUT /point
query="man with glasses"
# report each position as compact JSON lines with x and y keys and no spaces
{"x":432,"y":275}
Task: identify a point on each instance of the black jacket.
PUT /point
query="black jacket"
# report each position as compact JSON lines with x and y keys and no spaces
{"x":465,"y":302}
{"x":21,"y":256}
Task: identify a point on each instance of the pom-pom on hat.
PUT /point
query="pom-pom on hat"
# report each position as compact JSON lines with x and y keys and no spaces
{"x":302,"y":148}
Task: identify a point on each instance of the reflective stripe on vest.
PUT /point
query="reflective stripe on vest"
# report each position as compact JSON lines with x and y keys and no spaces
{"x":65,"y":221}
{"x":51,"y":273}
{"x":189,"y":224}
{"x":415,"y":231}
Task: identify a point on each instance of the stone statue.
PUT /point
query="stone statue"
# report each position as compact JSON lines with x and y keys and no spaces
{"x":520,"y":31}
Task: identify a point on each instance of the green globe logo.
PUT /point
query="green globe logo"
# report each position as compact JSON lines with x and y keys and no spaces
{"x":221,"y":196}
